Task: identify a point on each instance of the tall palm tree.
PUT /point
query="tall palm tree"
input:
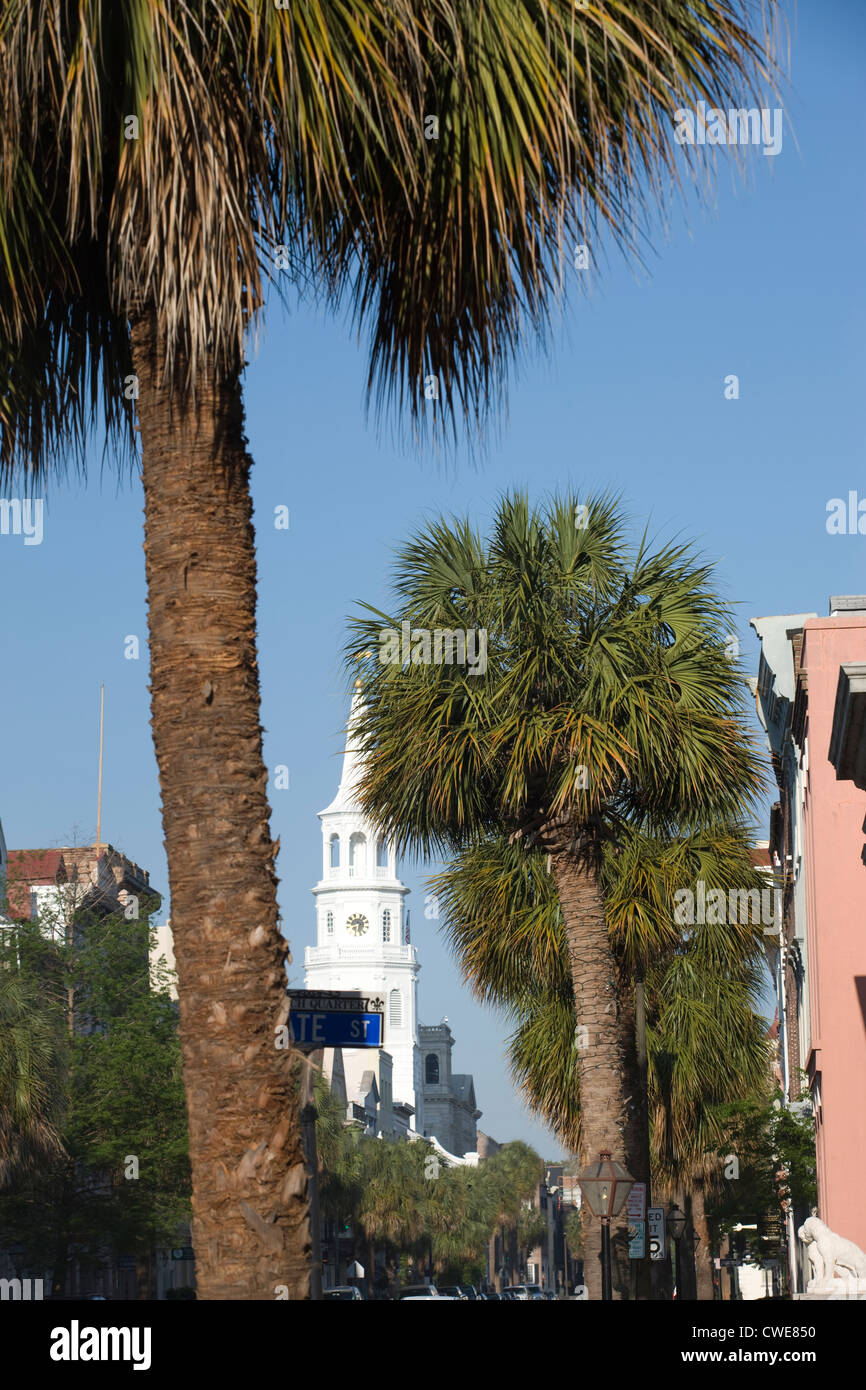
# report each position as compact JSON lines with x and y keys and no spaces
{"x":161,"y":162}
{"x":705,"y":1036}
{"x":606,"y":700}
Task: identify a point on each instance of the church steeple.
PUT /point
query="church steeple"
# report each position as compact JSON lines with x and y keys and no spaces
{"x":361,"y":939}
{"x":349,"y":777}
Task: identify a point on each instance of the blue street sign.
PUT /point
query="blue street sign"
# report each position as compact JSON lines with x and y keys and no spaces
{"x":319,"y":1029}
{"x":335,"y":1018}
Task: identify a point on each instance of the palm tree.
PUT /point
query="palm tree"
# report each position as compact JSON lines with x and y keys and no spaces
{"x":512,"y":1176}
{"x":705,"y":1036}
{"x":607,"y":700}
{"x":161,"y":163}
{"x":31,"y":1076}
{"x":707,"y":1047}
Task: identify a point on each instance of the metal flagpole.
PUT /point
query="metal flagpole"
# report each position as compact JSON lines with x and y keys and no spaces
{"x":99,"y":790}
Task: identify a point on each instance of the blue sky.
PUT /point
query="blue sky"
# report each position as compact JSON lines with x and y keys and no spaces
{"x":766,"y":283}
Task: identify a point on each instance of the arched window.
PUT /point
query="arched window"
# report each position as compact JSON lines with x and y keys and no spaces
{"x":357,"y":854}
{"x":335,"y":851}
{"x":381,"y":854}
{"x":431,"y":1069}
{"x":395,"y":1009}
{"x":386,"y":925}
{"x":329,"y":923}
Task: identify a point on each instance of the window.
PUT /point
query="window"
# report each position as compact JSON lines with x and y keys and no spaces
{"x":329,"y":923}
{"x":335,"y":851}
{"x":395,"y":1009}
{"x":357,"y":855}
{"x":431,"y":1069}
{"x":386,"y":925}
{"x":381,"y":854}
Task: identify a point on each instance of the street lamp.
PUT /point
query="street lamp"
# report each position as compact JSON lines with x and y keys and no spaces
{"x":677,"y":1228}
{"x":677,"y":1222}
{"x":605,"y":1187}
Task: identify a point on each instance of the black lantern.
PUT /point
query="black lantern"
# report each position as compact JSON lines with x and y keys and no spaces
{"x":676,"y":1223}
{"x":605,"y":1187}
{"x":677,"y":1226}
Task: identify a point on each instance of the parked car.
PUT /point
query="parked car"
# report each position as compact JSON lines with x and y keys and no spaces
{"x":417,"y":1291}
{"x":518,"y":1293}
{"x":343,"y":1293}
{"x":76,"y":1298}
{"x":535,"y":1291}
{"x":492,"y":1296}
{"x":451,"y":1291}
{"x":469,"y":1291}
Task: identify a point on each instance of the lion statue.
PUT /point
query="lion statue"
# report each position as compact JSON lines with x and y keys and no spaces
{"x":830,"y":1254}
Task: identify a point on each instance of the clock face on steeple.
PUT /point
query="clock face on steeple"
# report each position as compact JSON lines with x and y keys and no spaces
{"x":357,"y":924}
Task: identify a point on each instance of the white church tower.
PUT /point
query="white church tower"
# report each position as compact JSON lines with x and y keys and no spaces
{"x":362,"y":941}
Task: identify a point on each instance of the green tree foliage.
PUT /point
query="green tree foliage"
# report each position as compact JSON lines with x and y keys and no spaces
{"x":32,"y":1065}
{"x":705,"y":1036}
{"x":574,"y":1233}
{"x":402,"y":1196}
{"x":768,"y":1153}
{"x":117,"y":1180}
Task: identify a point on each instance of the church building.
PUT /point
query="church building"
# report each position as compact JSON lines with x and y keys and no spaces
{"x":362,"y":943}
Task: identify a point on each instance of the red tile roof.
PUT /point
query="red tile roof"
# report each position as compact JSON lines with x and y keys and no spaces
{"x":31,"y":868}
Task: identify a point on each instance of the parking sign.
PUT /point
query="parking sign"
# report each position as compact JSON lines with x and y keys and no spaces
{"x":656,"y":1229}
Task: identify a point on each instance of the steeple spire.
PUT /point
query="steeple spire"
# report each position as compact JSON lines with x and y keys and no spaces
{"x":350,"y":776}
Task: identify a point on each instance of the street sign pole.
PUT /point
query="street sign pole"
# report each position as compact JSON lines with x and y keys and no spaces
{"x":308,"y":1136}
{"x":320,"y":1019}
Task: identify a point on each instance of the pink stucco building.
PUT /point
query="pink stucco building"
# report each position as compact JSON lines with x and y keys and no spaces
{"x":811,"y":697}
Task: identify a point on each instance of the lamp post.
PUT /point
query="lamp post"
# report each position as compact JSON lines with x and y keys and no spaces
{"x":605,"y":1187}
{"x":677,"y":1226}
{"x":551,"y":1259}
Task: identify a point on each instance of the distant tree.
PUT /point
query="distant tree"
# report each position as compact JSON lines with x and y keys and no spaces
{"x":768,"y":1153}
{"x":402,"y":1198}
{"x":120,"y":1183}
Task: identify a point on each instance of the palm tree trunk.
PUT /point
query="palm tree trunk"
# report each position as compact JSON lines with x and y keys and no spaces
{"x":704,"y":1252}
{"x":610,"y":1101}
{"x":250,"y":1224}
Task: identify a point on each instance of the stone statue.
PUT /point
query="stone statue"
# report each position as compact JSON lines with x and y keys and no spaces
{"x":831,"y":1257}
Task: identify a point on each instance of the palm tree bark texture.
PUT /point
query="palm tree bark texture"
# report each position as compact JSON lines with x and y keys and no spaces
{"x":610,"y":1114}
{"x":248,"y":1173}
{"x":704,"y":1251}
